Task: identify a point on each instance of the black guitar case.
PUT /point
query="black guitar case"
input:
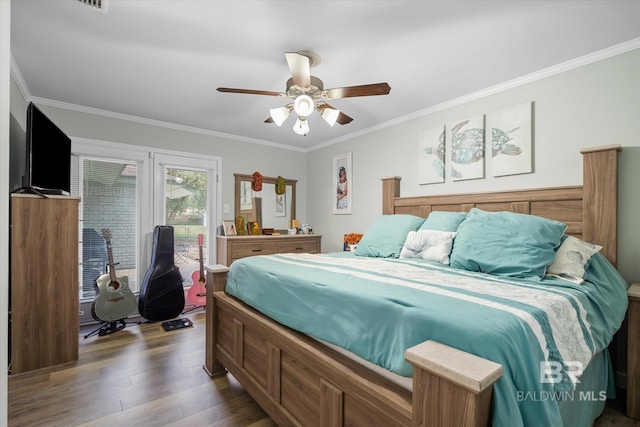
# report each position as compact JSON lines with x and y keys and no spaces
{"x":161,"y":294}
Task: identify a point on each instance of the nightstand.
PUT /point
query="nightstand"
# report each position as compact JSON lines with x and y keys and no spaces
{"x":633,"y":352}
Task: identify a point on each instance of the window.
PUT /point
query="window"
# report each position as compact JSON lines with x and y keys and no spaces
{"x":109,"y":201}
{"x":130,"y":189}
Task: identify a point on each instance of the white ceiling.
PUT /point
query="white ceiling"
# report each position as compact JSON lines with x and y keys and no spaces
{"x":163,"y":60}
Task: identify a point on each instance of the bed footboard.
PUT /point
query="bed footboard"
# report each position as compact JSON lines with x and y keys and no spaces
{"x":451,"y":387}
{"x":299,"y":381}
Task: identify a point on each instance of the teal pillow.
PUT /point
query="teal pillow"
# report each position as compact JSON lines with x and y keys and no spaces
{"x":506,"y":243}
{"x":386,"y":236}
{"x":443,"y":221}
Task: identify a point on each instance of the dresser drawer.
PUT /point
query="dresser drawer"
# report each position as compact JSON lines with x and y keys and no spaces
{"x":245,"y":249}
{"x":231,"y":248}
{"x":299,"y":246}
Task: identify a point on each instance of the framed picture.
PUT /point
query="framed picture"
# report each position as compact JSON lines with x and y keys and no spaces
{"x":281,"y":205}
{"x":342,"y":184}
{"x":245,"y":195}
{"x":511,"y":133}
{"x":466,"y":139}
{"x":229,"y":228}
{"x":431,"y":149}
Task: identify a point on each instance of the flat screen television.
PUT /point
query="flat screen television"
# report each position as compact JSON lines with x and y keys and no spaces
{"x":48,"y":166}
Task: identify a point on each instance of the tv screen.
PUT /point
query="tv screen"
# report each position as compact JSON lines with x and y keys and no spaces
{"x":48,"y":168}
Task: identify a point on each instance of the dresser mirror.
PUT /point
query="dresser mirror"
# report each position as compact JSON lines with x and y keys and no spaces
{"x":266,"y":207}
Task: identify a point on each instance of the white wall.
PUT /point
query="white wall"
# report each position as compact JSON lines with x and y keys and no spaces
{"x":594,"y":105}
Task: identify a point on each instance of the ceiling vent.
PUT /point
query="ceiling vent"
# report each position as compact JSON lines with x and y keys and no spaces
{"x":100,"y":5}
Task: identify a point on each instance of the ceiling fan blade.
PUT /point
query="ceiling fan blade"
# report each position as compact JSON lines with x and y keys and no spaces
{"x":299,"y":66}
{"x":353,"y":91}
{"x":269,"y":120}
{"x":342,"y":119}
{"x":250,"y":91}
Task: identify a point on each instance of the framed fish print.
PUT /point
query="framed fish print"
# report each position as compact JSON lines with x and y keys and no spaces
{"x":511,"y":133}
{"x":342,"y":184}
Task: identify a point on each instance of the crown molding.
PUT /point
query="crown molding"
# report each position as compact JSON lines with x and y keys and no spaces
{"x":520,"y":81}
{"x":511,"y":84}
{"x":19,"y":80}
{"x":158,"y":123}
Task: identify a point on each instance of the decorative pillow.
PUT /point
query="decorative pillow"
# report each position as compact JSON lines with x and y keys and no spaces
{"x":572,"y":258}
{"x":433,"y":245}
{"x":443,"y":221}
{"x":387,"y":235}
{"x":506,"y":243}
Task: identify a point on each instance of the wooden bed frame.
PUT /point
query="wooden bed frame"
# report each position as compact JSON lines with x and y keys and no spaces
{"x":300,"y":382}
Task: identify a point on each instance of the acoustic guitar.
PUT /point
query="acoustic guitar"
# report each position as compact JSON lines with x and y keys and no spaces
{"x":197,"y":292}
{"x":114,"y":300}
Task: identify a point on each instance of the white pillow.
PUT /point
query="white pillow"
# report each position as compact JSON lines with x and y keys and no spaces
{"x":571,"y":258}
{"x":433,"y":245}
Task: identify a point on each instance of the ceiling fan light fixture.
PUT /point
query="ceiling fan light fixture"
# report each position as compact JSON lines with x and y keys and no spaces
{"x":303,"y":105}
{"x":301,"y":127}
{"x":330,"y":116}
{"x":279,"y":115}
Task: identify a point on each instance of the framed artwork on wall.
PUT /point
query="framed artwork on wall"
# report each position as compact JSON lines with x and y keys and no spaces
{"x":342,"y":184}
{"x":281,"y":205}
{"x":467,"y":148}
{"x":511,"y":140}
{"x":431,"y":150}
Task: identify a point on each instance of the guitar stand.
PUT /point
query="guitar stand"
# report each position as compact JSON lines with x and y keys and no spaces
{"x":192,"y":308}
{"x":108,"y":328}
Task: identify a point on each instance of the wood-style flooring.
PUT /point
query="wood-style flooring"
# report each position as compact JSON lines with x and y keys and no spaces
{"x":144,"y":376}
{"x":139,"y":376}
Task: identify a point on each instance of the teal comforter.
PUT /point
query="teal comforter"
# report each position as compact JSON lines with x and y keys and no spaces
{"x":377,"y":308}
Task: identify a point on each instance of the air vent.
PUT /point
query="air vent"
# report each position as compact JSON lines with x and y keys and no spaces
{"x":100,"y":5}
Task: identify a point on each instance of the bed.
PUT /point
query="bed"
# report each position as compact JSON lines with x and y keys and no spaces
{"x":461,"y":369}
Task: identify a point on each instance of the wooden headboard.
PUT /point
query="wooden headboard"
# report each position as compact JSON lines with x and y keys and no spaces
{"x":590,"y":210}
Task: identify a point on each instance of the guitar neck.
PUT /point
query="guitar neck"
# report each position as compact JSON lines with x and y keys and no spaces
{"x":201,"y":265}
{"x":112,"y":265}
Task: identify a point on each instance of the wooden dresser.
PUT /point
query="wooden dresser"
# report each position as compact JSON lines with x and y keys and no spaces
{"x":231,"y":248}
{"x":44,"y":286}
{"x":633,"y":353}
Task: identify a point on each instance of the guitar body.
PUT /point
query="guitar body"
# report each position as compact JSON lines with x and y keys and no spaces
{"x":114,"y":300}
{"x":113,"y":303}
{"x":196,"y":294}
{"x":161,"y":294}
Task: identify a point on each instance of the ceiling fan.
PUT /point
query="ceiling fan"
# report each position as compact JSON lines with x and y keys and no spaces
{"x":308,"y":94}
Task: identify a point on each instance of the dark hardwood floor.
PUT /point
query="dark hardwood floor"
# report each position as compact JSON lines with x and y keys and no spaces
{"x":144,"y":376}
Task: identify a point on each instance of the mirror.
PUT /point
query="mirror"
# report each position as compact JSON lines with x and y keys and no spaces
{"x":266,"y":207}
